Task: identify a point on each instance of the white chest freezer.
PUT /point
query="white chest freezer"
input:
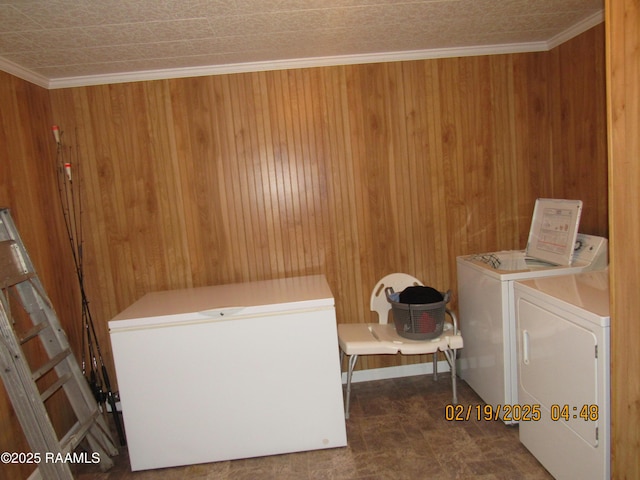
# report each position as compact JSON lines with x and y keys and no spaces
{"x":230,"y":371}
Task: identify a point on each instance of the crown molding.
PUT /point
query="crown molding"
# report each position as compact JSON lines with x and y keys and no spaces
{"x":580,"y":27}
{"x":294,"y":63}
{"x":23,"y":73}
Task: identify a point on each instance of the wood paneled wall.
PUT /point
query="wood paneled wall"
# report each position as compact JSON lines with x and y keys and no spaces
{"x":352,"y":171}
{"x":623,"y":75}
{"x":577,"y":112}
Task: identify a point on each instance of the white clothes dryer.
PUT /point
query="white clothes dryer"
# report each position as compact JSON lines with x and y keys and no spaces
{"x":563,"y":332}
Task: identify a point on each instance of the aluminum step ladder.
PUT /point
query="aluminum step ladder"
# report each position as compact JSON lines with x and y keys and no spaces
{"x":29,"y":323}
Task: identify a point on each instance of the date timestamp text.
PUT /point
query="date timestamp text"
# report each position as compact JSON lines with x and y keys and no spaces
{"x":519,"y":413}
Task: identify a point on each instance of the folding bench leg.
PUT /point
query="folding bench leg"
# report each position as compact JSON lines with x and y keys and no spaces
{"x":451,"y":358}
{"x":435,"y":366}
{"x":352,"y":363}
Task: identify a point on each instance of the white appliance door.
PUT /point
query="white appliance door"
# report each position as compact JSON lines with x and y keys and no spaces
{"x":558,"y":367}
{"x":558,"y":370}
{"x":230,"y":388}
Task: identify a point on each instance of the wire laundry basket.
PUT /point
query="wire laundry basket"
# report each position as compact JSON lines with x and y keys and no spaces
{"x":418,"y":321}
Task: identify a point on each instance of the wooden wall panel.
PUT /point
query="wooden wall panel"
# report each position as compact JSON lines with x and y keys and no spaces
{"x":623,"y":72}
{"x":532,"y":172}
{"x":352,"y":172}
{"x":577,"y":113}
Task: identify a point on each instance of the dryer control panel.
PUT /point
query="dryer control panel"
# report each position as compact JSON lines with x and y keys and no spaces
{"x":592,"y":250}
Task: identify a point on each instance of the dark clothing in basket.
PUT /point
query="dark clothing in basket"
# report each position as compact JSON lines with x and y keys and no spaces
{"x":419,"y":295}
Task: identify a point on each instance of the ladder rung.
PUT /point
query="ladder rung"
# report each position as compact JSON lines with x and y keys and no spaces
{"x":14,"y":280}
{"x":75,"y":435}
{"x":53,"y":388}
{"x":37,"y":374}
{"x":13,"y":269}
{"x":32,"y":332}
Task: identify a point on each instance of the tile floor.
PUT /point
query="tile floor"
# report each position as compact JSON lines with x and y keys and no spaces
{"x":397,"y":430}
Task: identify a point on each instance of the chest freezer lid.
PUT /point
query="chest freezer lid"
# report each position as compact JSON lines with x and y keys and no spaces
{"x":554,"y":228}
{"x":226,"y":301}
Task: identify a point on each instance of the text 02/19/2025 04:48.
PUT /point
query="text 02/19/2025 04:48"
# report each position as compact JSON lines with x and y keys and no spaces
{"x":519,"y":413}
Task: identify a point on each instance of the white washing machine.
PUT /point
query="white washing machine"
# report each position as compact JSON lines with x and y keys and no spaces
{"x":488,"y":361}
{"x":563,"y":327}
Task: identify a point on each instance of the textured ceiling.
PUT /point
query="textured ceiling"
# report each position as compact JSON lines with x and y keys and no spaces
{"x":71,"y":42}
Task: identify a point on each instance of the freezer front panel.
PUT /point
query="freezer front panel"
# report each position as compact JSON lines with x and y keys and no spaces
{"x":226,"y":389}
